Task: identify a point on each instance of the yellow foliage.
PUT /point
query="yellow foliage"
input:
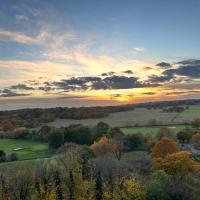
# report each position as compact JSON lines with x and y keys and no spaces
{"x":134,"y":190}
{"x":127,"y":189}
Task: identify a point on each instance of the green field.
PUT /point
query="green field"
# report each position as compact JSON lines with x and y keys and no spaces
{"x":192,"y":112}
{"x":29,"y":149}
{"x":153,"y":130}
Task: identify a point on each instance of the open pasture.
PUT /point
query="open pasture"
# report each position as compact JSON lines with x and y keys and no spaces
{"x":25,"y":149}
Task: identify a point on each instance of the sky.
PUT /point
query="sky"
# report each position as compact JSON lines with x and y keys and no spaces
{"x":108,"y":52}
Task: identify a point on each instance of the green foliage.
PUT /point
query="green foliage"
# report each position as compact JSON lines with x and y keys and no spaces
{"x":184,"y":136}
{"x":78,"y":134}
{"x":157,"y":187}
{"x":195,"y":123}
{"x":56,"y":139}
{"x":134,"y":141}
{"x":101,"y":129}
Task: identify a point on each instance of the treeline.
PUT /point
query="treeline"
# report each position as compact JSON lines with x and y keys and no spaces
{"x":33,"y":117}
{"x":163,"y":104}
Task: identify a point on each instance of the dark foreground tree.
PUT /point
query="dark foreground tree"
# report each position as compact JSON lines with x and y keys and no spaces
{"x":58,"y":185}
{"x":99,"y":187}
{"x":71,"y":186}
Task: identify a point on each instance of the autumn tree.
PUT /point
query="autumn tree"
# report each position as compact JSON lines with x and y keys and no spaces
{"x":102,"y":146}
{"x":164,"y":147}
{"x":7,"y":125}
{"x":176,"y":163}
{"x":108,"y":145}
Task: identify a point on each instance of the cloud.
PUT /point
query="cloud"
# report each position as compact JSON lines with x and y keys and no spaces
{"x":20,"y":37}
{"x":139,"y":49}
{"x":21,"y":18}
{"x":108,"y":74}
{"x":181,"y":71}
{"x":149,"y":93}
{"x":44,"y":37}
{"x":10,"y":93}
{"x":164,"y":65}
{"x":97,"y":83}
{"x":21,"y":87}
{"x":160,"y":78}
{"x":188,"y":68}
{"x":128,"y":72}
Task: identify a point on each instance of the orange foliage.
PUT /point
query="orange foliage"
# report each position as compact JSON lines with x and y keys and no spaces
{"x":179,"y":162}
{"x":102,"y":146}
{"x":164,"y":147}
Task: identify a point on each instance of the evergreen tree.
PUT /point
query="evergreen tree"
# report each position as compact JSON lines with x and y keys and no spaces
{"x":59,"y":192}
{"x":99,"y":187}
{"x":71,"y":186}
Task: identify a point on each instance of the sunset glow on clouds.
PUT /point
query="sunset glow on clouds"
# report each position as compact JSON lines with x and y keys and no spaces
{"x":53,"y":49}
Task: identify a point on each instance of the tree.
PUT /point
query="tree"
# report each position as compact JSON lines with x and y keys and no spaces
{"x":133,"y":190}
{"x":99,"y":187}
{"x":2,"y":156}
{"x":176,"y":163}
{"x":78,"y":134}
{"x":58,"y":185}
{"x":117,"y":147}
{"x":56,"y":139}
{"x":164,"y":147}
{"x":164,"y":132}
{"x":195,"y":123}
{"x":101,"y":129}
{"x":7,"y":125}
{"x":85,"y":155}
{"x":196,"y":140}
{"x":184,"y":136}
{"x":102,"y":146}
{"x":115,"y":132}
{"x":71,"y":186}
{"x":133,"y":141}
{"x":43,"y":133}
{"x":12,"y":157}
{"x":20,"y":133}
{"x":157,"y":187}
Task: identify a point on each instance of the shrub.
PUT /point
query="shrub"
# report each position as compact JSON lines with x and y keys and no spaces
{"x":2,"y":156}
{"x":12,"y":157}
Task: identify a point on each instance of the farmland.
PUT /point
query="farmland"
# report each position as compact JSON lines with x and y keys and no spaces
{"x":139,"y":116}
{"x":153,"y":130}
